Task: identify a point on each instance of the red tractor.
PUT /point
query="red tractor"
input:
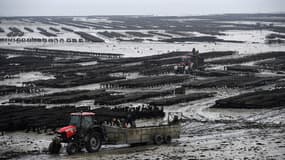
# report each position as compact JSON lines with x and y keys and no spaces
{"x":82,"y":132}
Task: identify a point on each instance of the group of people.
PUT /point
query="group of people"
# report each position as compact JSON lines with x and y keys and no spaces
{"x":139,"y":111}
{"x":128,"y":122}
{"x":132,"y":113}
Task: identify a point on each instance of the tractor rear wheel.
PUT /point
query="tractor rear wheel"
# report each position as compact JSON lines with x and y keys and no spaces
{"x":94,"y":142}
{"x":72,"y":148}
{"x":54,"y":147}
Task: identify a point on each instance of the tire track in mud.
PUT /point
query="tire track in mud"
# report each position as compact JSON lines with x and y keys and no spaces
{"x":279,"y":111}
{"x":252,"y":121}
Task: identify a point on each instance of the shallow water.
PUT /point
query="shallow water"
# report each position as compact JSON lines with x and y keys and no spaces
{"x":25,"y":77}
{"x":254,"y":43}
{"x":88,"y":63}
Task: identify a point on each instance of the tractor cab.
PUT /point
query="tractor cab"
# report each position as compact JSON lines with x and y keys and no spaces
{"x":82,"y":120}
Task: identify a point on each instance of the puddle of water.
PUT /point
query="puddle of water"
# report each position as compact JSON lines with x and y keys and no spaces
{"x":12,"y":56}
{"x":88,"y":63}
{"x":25,"y":77}
{"x":248,"y":36}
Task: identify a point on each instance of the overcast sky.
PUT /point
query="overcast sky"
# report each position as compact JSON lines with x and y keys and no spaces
{"x":136,"y":7}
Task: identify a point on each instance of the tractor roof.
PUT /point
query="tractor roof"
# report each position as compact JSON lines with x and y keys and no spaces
{"x":83,"y":114}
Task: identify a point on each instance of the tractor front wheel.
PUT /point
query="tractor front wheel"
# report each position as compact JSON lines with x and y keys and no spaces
{"x":72,"y":148}
{"x":94,"y":142}
{"x":54,"y":147}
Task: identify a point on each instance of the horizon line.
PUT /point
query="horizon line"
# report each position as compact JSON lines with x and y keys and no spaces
{"x":145,"y":15}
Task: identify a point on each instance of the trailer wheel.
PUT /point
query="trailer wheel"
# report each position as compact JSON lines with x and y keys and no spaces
{"x":71,"y":148}
{"x":158,"y":140}
{"x":94,"y":142}
{"x":167,"y":139}
{"x":54,"y":147}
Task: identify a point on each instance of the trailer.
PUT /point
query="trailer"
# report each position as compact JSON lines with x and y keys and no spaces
{"x":85,"y":132}
{"x":149,"y":134}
